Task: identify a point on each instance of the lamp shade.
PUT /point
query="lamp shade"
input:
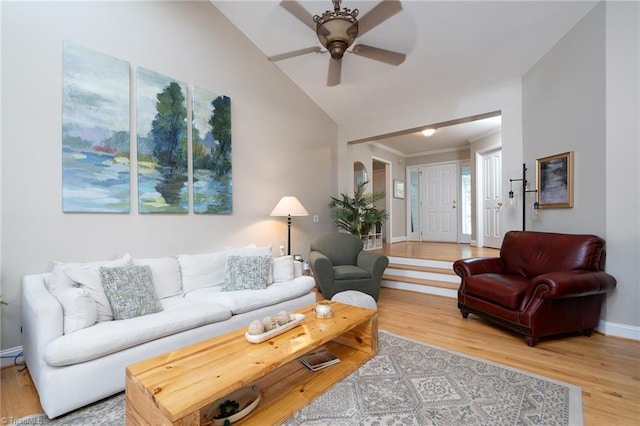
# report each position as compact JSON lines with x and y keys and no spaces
{"x":289,"y":206}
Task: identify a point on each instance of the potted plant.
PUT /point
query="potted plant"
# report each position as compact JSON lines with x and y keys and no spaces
{"x":358,"y":215}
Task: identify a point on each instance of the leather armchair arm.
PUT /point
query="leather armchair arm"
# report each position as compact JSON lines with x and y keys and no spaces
{"x":322,"y":268}
{"x":574,"y":283}
{"x":478,"y":265}
{"x":375,"y":263}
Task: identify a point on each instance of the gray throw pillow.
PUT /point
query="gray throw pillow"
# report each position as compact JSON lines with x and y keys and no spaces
{"x":246,"y":273}
{"x":130,"y":291}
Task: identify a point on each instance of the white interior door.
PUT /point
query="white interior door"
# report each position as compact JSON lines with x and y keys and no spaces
{"x":438,"y":188}
{"x":491,"y":196}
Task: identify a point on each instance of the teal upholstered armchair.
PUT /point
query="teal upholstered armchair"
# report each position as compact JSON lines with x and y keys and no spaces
{"x":339,"y":264}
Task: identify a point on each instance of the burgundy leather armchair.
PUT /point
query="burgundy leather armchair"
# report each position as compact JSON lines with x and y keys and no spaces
{"x":542,"y":284}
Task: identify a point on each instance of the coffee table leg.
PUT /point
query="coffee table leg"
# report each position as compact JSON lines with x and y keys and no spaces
{"x":363,"y":337}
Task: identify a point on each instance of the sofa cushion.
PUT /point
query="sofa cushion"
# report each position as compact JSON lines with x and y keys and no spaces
{"x":78,"y":308}
{"x":349,"y":272}
{"x":505,"y":290}
{"x":246,"y":273}
{"x":166,"y":275}
{"x":87,"y":275}
{"x":283,"y":268}
{"x":202,"y":270}
{"x":113,"y":336}
{"x":247,"y":300}
{"x":130,"y":291}
{"x":59,"y":278}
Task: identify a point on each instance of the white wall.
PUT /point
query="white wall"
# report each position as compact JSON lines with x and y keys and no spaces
{"x":282,"y":142}
{"x":564,"y":110}
{"x":583,"y":96}
{"x":622,"y":153}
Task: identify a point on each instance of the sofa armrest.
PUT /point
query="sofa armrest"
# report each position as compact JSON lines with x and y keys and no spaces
{"x":42,"y":321}
{"x":374,"y":263}
{"x":478,"y":265}
{"x":576,"y":283}
{"x":322,"y":268}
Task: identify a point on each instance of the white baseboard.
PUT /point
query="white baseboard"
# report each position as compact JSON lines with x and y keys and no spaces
{"x":619,"y":330}
{"x":9,"y":356}
{"x":398,"y":239}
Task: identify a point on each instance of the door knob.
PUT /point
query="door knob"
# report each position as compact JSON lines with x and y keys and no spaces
{"x":499,"y":203}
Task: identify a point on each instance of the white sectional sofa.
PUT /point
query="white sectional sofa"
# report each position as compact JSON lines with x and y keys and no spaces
{"x":77,"y":354}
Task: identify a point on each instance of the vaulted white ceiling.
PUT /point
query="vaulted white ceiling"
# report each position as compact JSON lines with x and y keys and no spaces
{"x":451,"y":46}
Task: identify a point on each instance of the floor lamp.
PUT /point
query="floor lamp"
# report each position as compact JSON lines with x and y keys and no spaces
{"x":289,"y":206}
{"x":536,"y":205}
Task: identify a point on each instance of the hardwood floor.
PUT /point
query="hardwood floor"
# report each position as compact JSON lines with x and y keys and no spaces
{"x":436,"y":251}
{"x":606,"y":368}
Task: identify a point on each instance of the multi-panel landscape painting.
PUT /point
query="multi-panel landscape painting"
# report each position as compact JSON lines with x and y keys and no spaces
{"x":211,"y":136}
{"x":95,"y":132}
{"x":162,"y":144}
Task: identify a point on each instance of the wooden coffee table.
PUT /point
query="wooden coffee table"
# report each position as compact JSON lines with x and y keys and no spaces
{"x":177,"y":387}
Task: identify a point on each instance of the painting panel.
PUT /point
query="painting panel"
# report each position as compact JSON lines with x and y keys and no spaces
{"x":162,"y":144}
{"x":554,"y":175}
{"x":211,"y":136}
{"x":95,"y":132}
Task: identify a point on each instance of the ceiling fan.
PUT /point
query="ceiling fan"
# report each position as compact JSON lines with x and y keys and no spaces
{"x":337,"y":29}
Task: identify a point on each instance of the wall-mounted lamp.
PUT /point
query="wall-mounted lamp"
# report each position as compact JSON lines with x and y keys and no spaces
{"x":512,"y":199}
{"x":537,"y":211}
{"x":536,"y":206}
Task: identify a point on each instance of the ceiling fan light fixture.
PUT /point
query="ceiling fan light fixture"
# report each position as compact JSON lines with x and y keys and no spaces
{"x":337,"y":29}
{"x":429,"y":132}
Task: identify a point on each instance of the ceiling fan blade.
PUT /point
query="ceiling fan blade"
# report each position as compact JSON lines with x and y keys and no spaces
{"x":378,"y":54}
{"x":376,"y":16}
{"x":297,"y":10}
{"x":335,"y":69}
{"x":294,"y":53}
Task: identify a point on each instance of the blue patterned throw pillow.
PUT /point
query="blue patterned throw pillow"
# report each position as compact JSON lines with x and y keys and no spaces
{"x":246,"y":273}
{"x":130,"y":291}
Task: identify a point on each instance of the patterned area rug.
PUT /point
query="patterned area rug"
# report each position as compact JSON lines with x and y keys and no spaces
{"x":411,"y":383}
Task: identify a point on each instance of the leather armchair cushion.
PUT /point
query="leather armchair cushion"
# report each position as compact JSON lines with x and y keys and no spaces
{"x":349,"y":272}
{"x":505,"y":290}
{"x":530,"y":254}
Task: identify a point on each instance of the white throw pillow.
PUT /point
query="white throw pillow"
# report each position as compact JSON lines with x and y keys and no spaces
{"x":282,"y":269}
{"x":202,"y":270}
{"x":59,"y":281}
{"x":78,"y":307}
{"x":166,"y":275}
{"x":88,"y":276}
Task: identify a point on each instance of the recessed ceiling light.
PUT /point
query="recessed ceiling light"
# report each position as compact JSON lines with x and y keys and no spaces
{"x":428,"y":132}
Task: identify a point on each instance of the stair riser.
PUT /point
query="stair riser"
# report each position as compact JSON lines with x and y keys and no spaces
{"x":423,"y":275}
{"x":420,"y":288}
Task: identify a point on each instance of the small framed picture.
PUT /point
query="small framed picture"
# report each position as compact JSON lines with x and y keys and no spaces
{"x":398,"y":189}
{"x":554,"y":179}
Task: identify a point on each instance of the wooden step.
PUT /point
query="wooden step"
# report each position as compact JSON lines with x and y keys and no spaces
{"x":420,"y":281}
{"x":446,"y":271}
